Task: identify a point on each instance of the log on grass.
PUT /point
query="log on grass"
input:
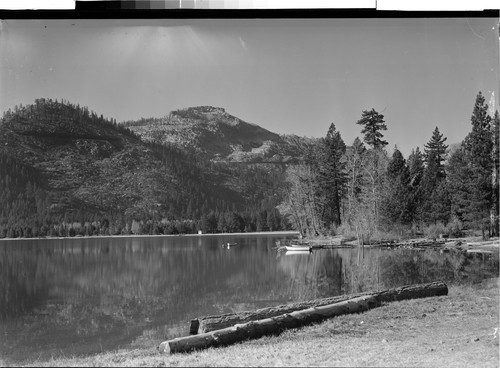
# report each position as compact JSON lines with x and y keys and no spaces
{"x":217,"y":322}
{"x":267,"y":326}
{"x":437,"y":288}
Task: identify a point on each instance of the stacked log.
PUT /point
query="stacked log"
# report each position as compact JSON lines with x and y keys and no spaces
{"x":216,"y":322}
{"x":211,"y":323}
{"x":267,"y":326}
{"x":420,"y":244}
{"x":266,"y":322}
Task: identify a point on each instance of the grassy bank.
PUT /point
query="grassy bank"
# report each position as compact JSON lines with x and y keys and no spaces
{"x":458,"y":330}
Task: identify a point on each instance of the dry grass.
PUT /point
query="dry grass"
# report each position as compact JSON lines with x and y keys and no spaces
{"x":457,"y":330}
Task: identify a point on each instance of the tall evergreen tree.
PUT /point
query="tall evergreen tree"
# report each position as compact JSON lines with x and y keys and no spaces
{"x":373,"y":123}
{"x":495,"y":154}
{"x":435,"y":199}
{"x":332,"y":177}
{"x":478,"y":142}
{"x":416,"y":166}
{"x":376,"y":160}
{"x":354,"y":158}
{"x":416,"y":172}
{"x":478,"y":147}
{"x":458,"y":178}
{"x":396,"y":203}
{"x":472,"y":171}
{"x":435,"y":150}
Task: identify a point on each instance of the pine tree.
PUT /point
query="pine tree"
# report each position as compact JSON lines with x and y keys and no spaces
{"x":434,"y":195}
{"x":416,"y":172}
{"x":478,"y":142}
{"x":354,"y":158}
{"x":495,"y":154}
{"x":221,"y":223}
{"x":235,"y":222}
{"x":458,"y":178}
{"x":472,"y":172}
{"x":416,"y":167}
{"x":431,"y":199}
{"x":435,"y":150}
{"x":373,"y":123}
{"x":331,"y":177}
{"x":478,"y":146}
{"x":396,"y":203}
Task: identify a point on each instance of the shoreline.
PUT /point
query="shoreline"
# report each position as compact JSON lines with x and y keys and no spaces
{"x":458,"y":329}
{"x":155,"y":236}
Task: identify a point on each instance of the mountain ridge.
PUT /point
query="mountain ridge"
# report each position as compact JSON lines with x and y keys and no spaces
{"x":214,"y":132}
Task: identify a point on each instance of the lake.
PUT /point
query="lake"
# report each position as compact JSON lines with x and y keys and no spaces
{"x":86,"y":295}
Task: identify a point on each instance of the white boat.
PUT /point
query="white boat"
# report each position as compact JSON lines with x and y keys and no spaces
{"x":297,"y":252}
{"x":296,"y":248}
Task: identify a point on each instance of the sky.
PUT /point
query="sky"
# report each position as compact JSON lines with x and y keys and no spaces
{"x":290,"y":76}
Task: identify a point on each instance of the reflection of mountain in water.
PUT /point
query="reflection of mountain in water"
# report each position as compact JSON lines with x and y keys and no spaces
{"x":74,"y":293}
{"x":79,"y":296}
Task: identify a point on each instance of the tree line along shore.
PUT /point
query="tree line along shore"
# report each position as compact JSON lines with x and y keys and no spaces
{"x":360,"y":191}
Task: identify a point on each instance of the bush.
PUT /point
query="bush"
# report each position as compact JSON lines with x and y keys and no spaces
{"x":434,"y":231}
{"x":455,"y":227}
{"x":346,"y":231}
{"x":416,"y":230}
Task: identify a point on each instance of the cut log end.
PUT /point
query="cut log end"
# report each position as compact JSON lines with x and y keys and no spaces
{"x":164,"y":348}
{"x":194,"y":326}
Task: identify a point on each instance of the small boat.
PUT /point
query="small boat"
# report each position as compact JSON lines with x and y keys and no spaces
{"x":297,"y":248}
{"x":229,"y":245}
{"x":297,"y":252}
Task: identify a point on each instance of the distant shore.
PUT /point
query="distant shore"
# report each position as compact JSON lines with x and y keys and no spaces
{"x":156,"y":236}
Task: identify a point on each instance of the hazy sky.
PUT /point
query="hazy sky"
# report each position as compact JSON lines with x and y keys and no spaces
{"x":292,"y":76}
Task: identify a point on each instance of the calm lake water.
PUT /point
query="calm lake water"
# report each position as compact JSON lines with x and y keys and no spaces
{"x":83,"y":296}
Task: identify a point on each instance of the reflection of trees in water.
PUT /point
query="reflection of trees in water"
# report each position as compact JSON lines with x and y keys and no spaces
{"x":93,"y":294}
{"x":382,"y":269}
{"x":361,"y":271}
{"x":22,"y":284}
{"x":310,"y":276}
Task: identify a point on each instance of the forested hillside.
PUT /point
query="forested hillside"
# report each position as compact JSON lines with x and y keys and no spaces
{"x":65,"y":171}
{"x":365,"y":192}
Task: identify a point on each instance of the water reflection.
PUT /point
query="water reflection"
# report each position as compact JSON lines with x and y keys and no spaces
{"x":79,"y":296}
